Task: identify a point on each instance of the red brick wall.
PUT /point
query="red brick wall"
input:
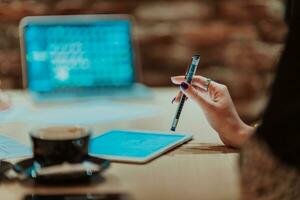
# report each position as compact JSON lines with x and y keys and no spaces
{"x":239,"y":40}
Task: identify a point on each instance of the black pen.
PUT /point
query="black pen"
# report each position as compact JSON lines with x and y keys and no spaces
{"x":188,"y":78}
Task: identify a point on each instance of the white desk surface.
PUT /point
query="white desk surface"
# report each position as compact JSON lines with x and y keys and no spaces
{"x":200,"y":169}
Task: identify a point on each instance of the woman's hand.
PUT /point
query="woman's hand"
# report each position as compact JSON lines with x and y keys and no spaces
{"x":218,"y":108}
{"x":5,"y":101}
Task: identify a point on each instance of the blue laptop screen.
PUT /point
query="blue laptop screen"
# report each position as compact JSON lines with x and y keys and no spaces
{"x":79,"y":55}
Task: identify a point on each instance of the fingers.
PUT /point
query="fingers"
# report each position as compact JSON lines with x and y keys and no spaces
{"x":199,"y":81}
{"x":178,"y":97}
{"x":196,"y":95}
{"x":201,"y":90}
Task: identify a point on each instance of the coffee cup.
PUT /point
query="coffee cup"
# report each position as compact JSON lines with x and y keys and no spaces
{"x":58,"y":145}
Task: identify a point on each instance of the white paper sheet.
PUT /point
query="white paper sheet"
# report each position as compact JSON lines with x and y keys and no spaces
{"x":14,"y":113}
{"x":84,"y":113}
{"x":10,"y":148}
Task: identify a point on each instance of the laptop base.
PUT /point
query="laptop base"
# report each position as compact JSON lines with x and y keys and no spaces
{"x":137,"y":91}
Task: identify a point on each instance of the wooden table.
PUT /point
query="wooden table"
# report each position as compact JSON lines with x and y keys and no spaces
{"x":200,"y":169}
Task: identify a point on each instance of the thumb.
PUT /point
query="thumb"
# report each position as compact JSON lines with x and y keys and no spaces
{"x":195,"y":95}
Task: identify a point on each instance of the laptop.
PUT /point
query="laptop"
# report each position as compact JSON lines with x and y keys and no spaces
{"x":80,"y":56}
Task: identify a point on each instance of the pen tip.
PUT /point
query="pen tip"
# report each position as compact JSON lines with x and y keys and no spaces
{"x":196,"y":56}
{"x":173,"y":129}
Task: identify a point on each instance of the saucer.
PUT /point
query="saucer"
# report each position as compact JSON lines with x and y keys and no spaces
{"x":89,"y":169}
{"x":4,"y":168}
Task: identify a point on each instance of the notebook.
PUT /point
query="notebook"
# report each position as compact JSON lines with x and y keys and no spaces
{"x":134,"y":146}
{"x":73,"y":56}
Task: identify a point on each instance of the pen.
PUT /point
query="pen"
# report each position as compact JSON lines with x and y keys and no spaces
{"x":188,"y":77}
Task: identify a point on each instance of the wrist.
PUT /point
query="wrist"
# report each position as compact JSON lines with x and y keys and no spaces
{"x":237,"y":134}
{"x":245,"y":131}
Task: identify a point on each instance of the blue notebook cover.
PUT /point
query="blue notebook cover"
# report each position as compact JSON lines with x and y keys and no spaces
{"x":134,"y":146}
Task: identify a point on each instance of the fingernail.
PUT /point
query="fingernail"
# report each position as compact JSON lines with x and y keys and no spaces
{"x":184,"y":86}
{"x":173,"y":100}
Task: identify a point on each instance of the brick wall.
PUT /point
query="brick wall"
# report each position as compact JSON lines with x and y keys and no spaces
{"x":239,"y":40}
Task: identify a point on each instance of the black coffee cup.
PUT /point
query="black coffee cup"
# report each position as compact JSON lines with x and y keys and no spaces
{"x":57,"y":145}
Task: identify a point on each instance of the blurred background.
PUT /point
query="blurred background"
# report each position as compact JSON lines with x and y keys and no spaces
{"x":239,"y":40}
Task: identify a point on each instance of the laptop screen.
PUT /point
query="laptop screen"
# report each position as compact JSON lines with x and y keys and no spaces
{"x":97,"y":54}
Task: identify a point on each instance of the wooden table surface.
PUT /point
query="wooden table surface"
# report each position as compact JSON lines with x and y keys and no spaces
{"x":200,"y":169}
